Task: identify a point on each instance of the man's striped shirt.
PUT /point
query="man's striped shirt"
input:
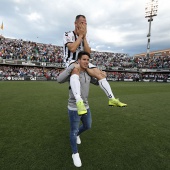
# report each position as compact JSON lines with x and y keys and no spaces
{"x":70,"y":37}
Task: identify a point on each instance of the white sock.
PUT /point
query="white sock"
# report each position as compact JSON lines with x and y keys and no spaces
{"x":75,"y":86}
{"x":105,"y":86}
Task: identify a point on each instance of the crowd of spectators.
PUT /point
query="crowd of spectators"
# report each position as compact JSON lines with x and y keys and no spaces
{"x":12,"y":71}
{"x":17,"y":49}
{"x":137,"y":76}
{"x":112,"y":60}
{"x":24,"y":71}
{"x":155,"y":62}
{"x":108,"y":60}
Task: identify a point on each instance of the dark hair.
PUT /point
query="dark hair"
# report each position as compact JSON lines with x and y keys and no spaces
{"x":81,"y":53}
{"x":78,"y":16}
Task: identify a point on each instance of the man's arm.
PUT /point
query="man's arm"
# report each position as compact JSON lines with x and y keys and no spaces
{"x":86,"y":46}
{"x":64,"y":76}
{"x":81,"y":31}
{"x":85,"y":42}
{"x":74,"y":45}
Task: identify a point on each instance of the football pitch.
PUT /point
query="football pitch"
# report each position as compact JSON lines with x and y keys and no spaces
{"x":34,"y":127}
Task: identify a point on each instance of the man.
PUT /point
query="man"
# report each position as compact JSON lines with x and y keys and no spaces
{"x":74,"y":115}
{"x":75,"y":41}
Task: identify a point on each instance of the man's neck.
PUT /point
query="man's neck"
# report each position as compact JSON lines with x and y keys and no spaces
{"x":82,"y":69}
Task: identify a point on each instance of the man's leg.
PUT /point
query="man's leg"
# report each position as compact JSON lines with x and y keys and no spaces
{"x":75,"y":87}
{"x":105,"y":86}
{"x":103,"y":83}
{"x":86,"y":122}
{"x":74,"y":128}
{"x":74,"y":119}
{"x":75,"y":83}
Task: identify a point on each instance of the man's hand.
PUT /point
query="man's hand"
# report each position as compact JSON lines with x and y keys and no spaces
{"x":82,"y":30}
{"x":103,"y":73}
{"x":84,"y":27}
{"x":76,"y":69}
{"x":77,"y":65}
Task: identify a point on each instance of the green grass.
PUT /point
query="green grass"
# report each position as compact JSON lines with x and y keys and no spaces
{"x":34,"y":127}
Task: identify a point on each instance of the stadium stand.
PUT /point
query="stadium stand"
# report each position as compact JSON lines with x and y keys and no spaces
{"x":37,"y":61}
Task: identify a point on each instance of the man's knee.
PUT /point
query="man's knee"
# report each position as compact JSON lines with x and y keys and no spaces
{"x":74,"y":132}
{"x":88,"y":126}
{"x":75,"y":71}
{"x":95,"y":72}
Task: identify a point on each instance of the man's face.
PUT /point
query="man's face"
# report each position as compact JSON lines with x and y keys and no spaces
{"x":84,"y":61}
{"x":81,"y":21}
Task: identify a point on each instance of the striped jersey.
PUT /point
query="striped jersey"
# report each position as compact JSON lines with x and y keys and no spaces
{"x":70,"y":37}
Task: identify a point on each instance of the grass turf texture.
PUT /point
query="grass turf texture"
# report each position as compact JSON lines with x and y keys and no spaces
{"x":34,"y":127}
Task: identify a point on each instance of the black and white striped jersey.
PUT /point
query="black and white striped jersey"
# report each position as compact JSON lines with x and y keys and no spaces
{"x":70,"y":37}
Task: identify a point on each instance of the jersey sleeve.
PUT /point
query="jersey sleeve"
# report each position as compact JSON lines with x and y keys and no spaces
{"x":67,"y":38}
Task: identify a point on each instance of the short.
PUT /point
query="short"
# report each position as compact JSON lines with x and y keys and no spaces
{"x":73,"y":61}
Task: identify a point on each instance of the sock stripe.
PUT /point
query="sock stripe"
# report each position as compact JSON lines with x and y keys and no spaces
{"x":105,"y":90}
